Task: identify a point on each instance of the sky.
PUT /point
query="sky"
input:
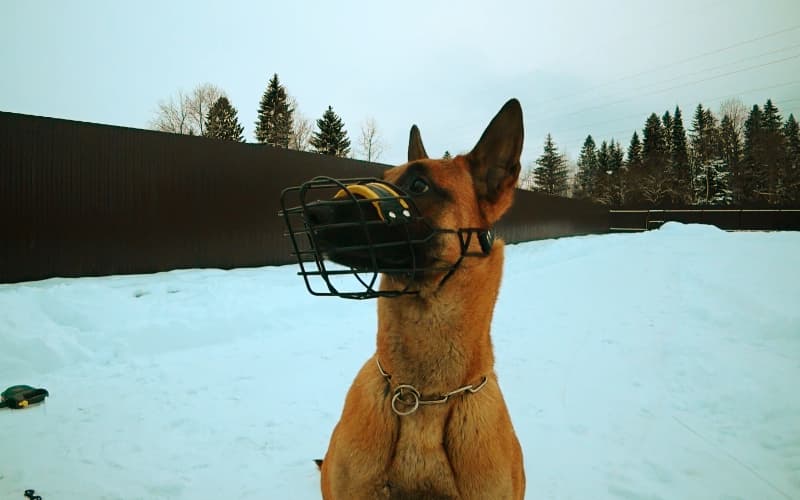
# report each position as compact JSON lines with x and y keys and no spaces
{"x":578,"y":67}
{"x":203,"y":384}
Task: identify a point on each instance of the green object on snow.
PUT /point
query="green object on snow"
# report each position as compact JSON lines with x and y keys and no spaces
{"x":18,"y":397}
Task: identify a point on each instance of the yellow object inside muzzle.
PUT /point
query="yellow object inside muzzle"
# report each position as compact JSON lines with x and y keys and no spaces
{"x":378,"y":192}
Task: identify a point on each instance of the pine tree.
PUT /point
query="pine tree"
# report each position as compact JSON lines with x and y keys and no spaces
{"x":446,"y":155}
{"x":551,"y":174}
{"x":750,"y":178}
{"x":634,"y":170}
{"x":653,"y":144}
{"x":587,"y":169}
{"x":331,"y":138}
{"x":679,"y":160}
{"x":712,"y":183}
{"x":773,"y":152}
{"x":654,"y":183}
{"x":704,"y":155}
{"x":616,"y":163}
{"x":274,"y":124}
{"x":730,"y":153}
{"x":791,"y":176}
{"x":222,"y":123}
{"x":635,"y":152}
{"x":666,"y":124}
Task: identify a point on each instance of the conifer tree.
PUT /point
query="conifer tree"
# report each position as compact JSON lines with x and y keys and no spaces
{"x":551,"y":174}
{"x":773,"y":149}
{"x":666,"y":125}
{"x":274,"y":123}
{"x":634,"y":152}
{"x":634,"y":170}
{"x":446,"y":155}
{"x":750,"y":174}
{"x":331,"y":137}
{"x":679,"y":160}
{"x":616,"y":163}
{"x":654,"y":183}
{"x":730,"y":153}
{"x":791,"y":176}
{"x":704,"y":155}
{"x":653,"y":150}
{"x":587,"y":169}
{"x":222,"y":122}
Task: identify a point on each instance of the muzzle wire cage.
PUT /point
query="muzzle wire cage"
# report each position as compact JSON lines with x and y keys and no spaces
{"x":378,"y":218}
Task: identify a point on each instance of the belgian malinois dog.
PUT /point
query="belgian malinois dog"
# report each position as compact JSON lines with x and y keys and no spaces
{"x":425,"y":418}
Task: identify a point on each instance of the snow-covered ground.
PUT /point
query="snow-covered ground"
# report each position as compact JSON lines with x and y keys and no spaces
{"x":663,"y":365}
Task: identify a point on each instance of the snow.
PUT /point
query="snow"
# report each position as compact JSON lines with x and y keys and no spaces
{"x":635,"y":366}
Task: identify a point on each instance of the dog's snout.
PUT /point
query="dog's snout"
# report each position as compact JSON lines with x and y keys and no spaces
{"x":319,"y":214}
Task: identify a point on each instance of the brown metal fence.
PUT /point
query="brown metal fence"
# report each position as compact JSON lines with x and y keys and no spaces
{"x":731,"y":219}
{"x":81,"y":199}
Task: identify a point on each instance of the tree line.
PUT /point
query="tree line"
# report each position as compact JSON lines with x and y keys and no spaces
{"x":208,"y":112}
{"x":744,"y":158}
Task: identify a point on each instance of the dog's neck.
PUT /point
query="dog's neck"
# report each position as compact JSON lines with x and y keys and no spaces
{"x":439,"y":340}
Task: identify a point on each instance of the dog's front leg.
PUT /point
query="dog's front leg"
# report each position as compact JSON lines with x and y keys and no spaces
{"x":361,"y":445}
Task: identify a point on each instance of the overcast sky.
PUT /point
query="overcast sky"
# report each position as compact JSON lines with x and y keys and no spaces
{"x":578,"y":67}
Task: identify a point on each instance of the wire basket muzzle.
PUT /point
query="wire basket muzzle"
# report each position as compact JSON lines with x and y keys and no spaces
{"x":346,"y":232}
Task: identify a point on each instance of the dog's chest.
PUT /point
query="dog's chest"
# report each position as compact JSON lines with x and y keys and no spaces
{"x":421,"y":462}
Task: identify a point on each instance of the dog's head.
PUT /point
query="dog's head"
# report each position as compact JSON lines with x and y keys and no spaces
{"x":445,"y":201}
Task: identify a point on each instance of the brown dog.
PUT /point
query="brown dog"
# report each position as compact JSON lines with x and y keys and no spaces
{"x":425,"y":418}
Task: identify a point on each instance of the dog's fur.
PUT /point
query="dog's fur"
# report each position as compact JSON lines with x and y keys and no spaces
{"x":438,"y":341}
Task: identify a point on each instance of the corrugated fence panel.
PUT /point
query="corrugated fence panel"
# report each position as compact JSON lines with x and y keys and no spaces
{"x":81,"y":199}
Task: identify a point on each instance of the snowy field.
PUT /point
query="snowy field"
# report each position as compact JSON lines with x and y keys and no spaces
{"x":663,"y":365}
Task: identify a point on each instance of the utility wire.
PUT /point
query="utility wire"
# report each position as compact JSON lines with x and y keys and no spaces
{"x":673,"y":64}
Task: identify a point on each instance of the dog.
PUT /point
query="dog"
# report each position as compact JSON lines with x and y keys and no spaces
{"x":425,"y":417}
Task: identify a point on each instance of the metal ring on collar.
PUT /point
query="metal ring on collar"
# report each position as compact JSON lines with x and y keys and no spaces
{"x":398,"y":393}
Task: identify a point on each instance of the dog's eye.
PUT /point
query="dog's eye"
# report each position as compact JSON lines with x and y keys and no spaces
{"x":419,"y":186}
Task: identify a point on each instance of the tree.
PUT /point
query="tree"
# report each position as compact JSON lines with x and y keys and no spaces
{"x":447,"y":155}
{"x":186,"y":113}
{"x":679,"y":160}
{"x":331,"y":138}
{"x":274,"y":123}
{"x":773,"y":149}
{"x":587,"y":169}
{"x":654,"y":183}
{"x":737,"y":114}
{"x":551,"y":174}
{"x":370,"y":141}
{"x":301,"y":128}
{"x":634,"y":170}
{"x":666,"y":125}
{"x":730,"y":153}
{"x":791,"y":178}
{"x":704,"y":156}
{"x":712,"y":184}
{"x":222,"y":123}
{"x":750,"y":173}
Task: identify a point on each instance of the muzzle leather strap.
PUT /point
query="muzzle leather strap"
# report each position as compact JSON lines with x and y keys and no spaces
{"x":391,"y":207}
{"x":485,"y":239}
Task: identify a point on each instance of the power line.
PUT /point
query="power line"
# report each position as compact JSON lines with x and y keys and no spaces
{"x":714,"y":99}
{"x":672,"y":64}
{"x":572,"y":138}
{"x":686,"y":84}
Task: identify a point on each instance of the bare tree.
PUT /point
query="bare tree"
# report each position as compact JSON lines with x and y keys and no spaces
{"x":737,"y":111}
{"x":302,"y":128}
{"x":370,"y":142}
{"x":186,"y":113}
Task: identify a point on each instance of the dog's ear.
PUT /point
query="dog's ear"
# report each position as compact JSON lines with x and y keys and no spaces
{"x":416,"y":151}
{"x":494,"y":161}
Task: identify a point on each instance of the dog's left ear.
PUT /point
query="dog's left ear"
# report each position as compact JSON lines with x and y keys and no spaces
{"x":494,"y":161}
{"x":416,"y":151}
